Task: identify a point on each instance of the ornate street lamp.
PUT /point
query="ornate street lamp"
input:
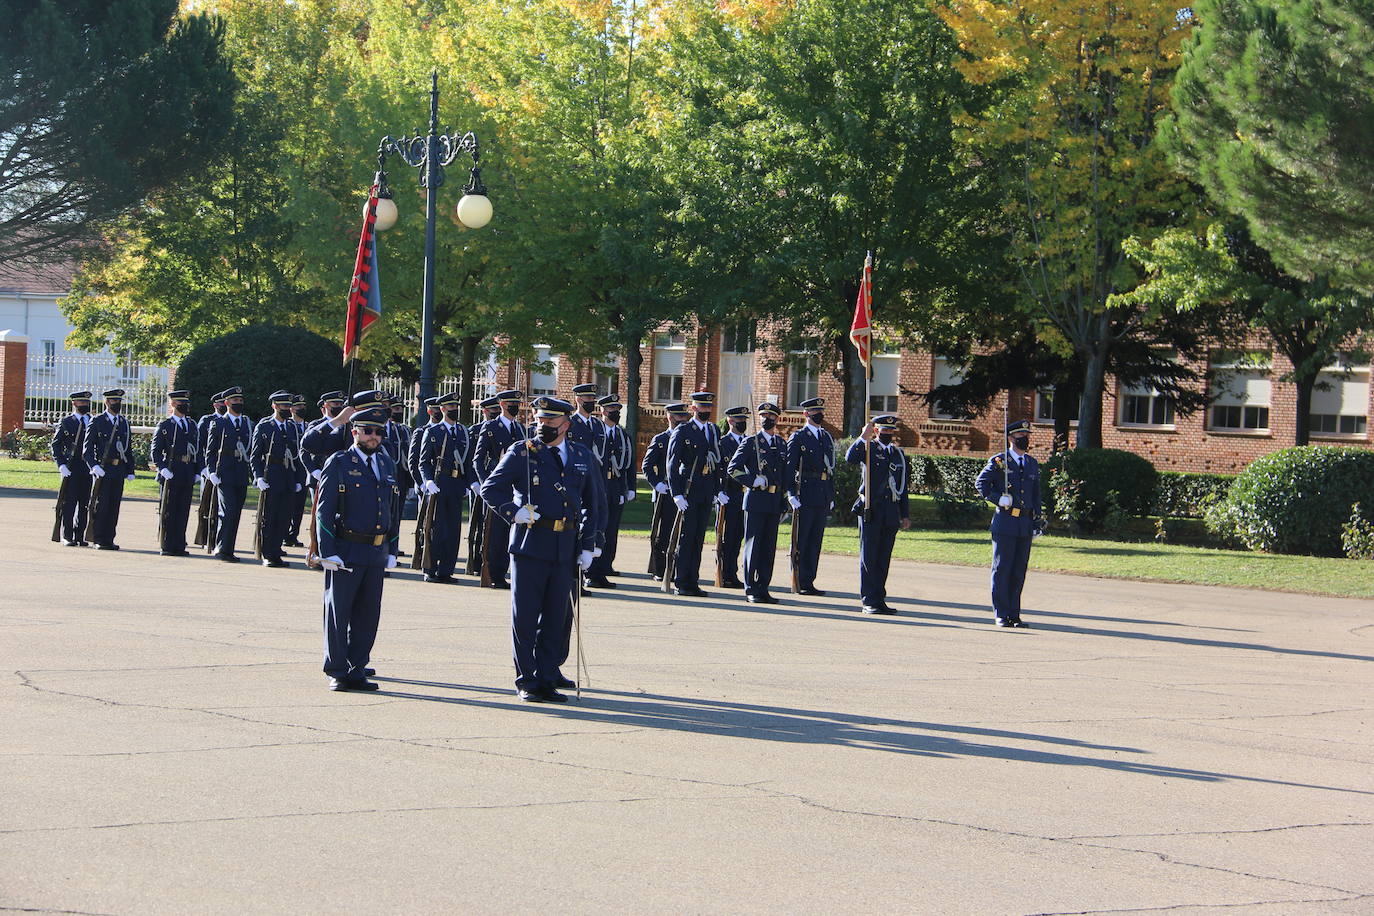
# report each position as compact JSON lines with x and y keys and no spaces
{"x":431,"y":153}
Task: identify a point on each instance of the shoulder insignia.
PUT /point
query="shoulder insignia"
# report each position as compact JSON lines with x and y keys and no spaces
{"x":354,"y":473}
{"x":997,"y":460}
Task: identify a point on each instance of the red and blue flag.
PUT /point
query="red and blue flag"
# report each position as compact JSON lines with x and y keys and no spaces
{"x":365,"y":292}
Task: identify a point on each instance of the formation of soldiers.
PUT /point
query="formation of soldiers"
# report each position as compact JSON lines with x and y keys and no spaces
{"x":543,"y":499}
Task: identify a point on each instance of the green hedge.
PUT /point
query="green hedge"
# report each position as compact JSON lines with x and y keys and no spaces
{"x":261,"y":359}
{"x":1179,"y":495}
{"x":1296,"y":500}
{"x":1098,"y":488}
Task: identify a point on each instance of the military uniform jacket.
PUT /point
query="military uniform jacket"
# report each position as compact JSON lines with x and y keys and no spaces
{"x":654,"y":467}
{"x":528,"y":474}
{"x":229,"y":446}
{"x":493,"y":438}
{"x":67,"y":443}
{"x":396,"y":441}
{"x":1023,"y":482}
{"x":694,"y":469}
{"x":729,"y":444}
{"x":107,"y":444}
{"x":355,"y":522}
{"x":321,"y":440}
{"x":417,"y":437}
{"x":176,"y":449}
{"x":277,"y":445}
{"x":590,"y":432}
{"x":444,"y":453}
{"x":811,"y":467}
{"x":766,"y":456}
{"x":617,"y":462}
{"x":203,"y":434}
{"x":890,"y":479}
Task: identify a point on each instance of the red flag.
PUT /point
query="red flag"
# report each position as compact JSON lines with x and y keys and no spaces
{"x":861,"y":331}
{"x":365,"y":292}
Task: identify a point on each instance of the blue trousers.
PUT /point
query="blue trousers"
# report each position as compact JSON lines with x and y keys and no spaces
{"x":74,"y":506}
{"x":1010,"y":554}
{"x":277,"y":502}
{"x":293,"y":522}
{"x":352,"y":608}
{"x":176,"y":507}
{"x":603,"y":564}
{"x":231,"y":495}
{"x":875,"y":558}
{"x":734,"y":536}
{"x":106,"y":518}
{"x":687,"y":571}
{"x":448,"y":527}
{"x":760,"y":549}
{"x":497,"y":547}
{"x":541,"y":592}
{"x":810,"y":522}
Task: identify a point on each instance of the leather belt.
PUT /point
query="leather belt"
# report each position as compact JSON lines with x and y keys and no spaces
{"x":811,"y":475}
{"x":114,"y":462}
{"x":186,"y":458}
{"x":553,"y":524}
{"x":376,"y":540}
{"x":455,"y":473}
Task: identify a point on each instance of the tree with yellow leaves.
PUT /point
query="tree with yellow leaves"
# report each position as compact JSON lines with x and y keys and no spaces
{"x":1083,"y":87}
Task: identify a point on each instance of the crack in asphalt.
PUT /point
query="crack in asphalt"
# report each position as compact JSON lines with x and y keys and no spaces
{"x":1191,"y":906}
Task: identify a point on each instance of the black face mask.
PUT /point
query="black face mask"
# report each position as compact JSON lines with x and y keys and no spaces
{"x":1021,"y":442}
{"x":704,"y":416}
{"x":180,"y":407}
{"x":236,"y":408}
{"x":451,"y":415}
{"x":435,"y":416}
{"x":885,"y":438}
{"x":82,"y":408}
{"x":512,"y":410}
{"x":816,"y":417}
{"x":548,"y":433}
{"x":219,"y":409}
{"x":768,"y":422}
{"x":738,"y":426}
{"x":283,"y":413}
{"x":398,"y":414}
{"x":613,"y":416}
{"x":587,"y":406}
{"x":114,"y":408}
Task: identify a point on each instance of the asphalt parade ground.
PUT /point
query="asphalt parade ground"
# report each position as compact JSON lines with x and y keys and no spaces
{"x":169,"y":746}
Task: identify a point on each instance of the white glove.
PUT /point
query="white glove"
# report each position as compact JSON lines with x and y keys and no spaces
{"x":318,"y":474}
{"x":165,"y":473}
{"x":412,"y":493}
{"x":97,"y":471}
{"x":681,"y":503}
{"x":130,"y":477}
{"x":584,"y":560}
{"x":622,"y":499}
{"x":630,"y":496}
{"x":1004,"y":501}
{"x":203,"y":473}
{"x":526,"y":515}
{"x":261,"y":483}
{"x":760,"y":482}
{"x":333,"y":564}
{"x":391,"y":561}
{"x":722,"y":498}
{"x":431,"y":488}
{"x":794,"y":502}
{"x":64,"y":470}
{"x":596,"y":551}
{"x":476,"y":489}
{"x":298,"y":488}
{"x":660,"y":488}
{"x":1036,"y":534}
{"x":214,"y":478}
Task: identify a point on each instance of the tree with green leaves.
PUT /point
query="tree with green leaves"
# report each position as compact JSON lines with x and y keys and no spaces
{"x":1274,"y":116}
{"x":101,"y":102}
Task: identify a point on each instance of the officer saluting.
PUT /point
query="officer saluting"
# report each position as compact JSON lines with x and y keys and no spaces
{"x":278,"y":475}
{"x":226,"y":459}
{"x":811,"y":493}
{"x":617,"y":464}
{"x":760,"y":465}
{"x":694,"y":482}
{"x":357,"y":535}
{"x":730,"y":516}
{"x":655,"y":470}
{"x":545,"y":490}
{"x":493,"y":439}
{"x":107,"y":451}
{"x":1011,"y":481}
{"x":176,"y":455}
{"x":882,"y":509}
{"x":68,"y":439}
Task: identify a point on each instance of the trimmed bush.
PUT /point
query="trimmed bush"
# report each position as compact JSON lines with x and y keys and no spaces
{"x":1357,"y":535}
{"x":1188,"y":495}
{"x":261,"y":359}
{"x":1295,"y":500}
{"x":1087,"y":486}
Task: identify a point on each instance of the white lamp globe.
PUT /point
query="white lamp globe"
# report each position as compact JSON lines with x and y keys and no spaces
{"x":474,"y":210}
{"x":386,"y":213}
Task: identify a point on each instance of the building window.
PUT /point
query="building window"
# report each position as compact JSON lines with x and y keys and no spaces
{"x":49,"y":354}
{"x":544,"y":383}
{"x":738,"y":338}
{"x":882,"y":390}
{"x":946,"y":373}
{"x":1145,"y":406}
{"x":1340,"y":401}
{"x":607,"y":376}
{"x":803,"y":377}
{"x":129,"y":367}
{"x":1240,"y":393}
{"x":670,"y":350}
{"x":1044,"y":406}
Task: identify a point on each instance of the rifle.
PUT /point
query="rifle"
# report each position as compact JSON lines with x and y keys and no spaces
{"x":417,"y":559}
{"x":57,"y":512}
{"x":670,"y":554}
{"x":656,"y":531}
{"x":476,"y":545}
{"x":720,"y":555}
{"x":427,"y":548}
{"x":94,"y":510}
{"x":257,"y":526}
{"x":792,"y":551}
{"x":161,"y":510}
{"x":486,"y":549}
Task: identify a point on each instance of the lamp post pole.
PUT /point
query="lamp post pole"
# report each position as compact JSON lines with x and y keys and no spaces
{"x":431,"y":153}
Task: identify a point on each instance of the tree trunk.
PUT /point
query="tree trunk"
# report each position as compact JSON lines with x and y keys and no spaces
{"x":1090,"y":402}
{"x":467,"y":379}
{"x":1303,"y":421}
{"x":634,"y":362}
{"x":1064,"y":395}
{"x":855,"y":374}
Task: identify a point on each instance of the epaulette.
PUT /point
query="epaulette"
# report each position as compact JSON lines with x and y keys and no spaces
{"x":997,"y":460}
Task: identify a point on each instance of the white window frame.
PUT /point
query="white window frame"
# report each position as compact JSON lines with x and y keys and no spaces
{"x":673,"y":345}
{"x":1342,"y":372}
{"x":1230,"y":371}
{"x":550,"y":357}
{"x":803,"y":377}
{"x":1154,"y":395}
{"x":953,"y":376}
{"x":882,"y":396}
{"x":1044,"y":407}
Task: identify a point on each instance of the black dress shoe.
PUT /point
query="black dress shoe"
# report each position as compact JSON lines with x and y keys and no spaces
{"x":362,"y":683}
{"x":877,"y":609}
{"x":612,"y":572}
{"x":658,"y":578}
{"x":733,"y":583}
{"x":553,"y":696}
{"x":810,"y":591}
{"x":565,"y":683}
{"x":275,"y":564}
{"x":228,"y":557}
{"x":597,"y":582}
{"x":503,"y":584}
{"x":338,"y":683}
{"x":530,"y":695}
{"x":106,"y":546}
{"x":83,"y":543}
{"x":1003,"y":622}
{"x":1020,"y":624}
{"x":69,"y":543}
{"x":689,"y":592}
{"x":369,"y":672}
{"x":292,"y":544}
{"x":762,"y":599}
{"x":442,"y":580}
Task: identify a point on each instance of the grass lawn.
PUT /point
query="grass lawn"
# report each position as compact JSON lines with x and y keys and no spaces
{"x":1084,"y":556}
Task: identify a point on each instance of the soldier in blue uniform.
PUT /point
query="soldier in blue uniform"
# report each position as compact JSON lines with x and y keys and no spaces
{"x":293,"y":526}
{"x":544,"y":489}
{"x":226,"y":459}
{"x":435,"y":416}
{"x":1011,"y":481}
{"x":206,"y":505}
{"x":760,"y":466}
{"x":68,"y":440}
{"x":107,"y":449}
{"x":494,"y":438}
{"x":445,"y":468}
{"x":617,"y":467}
{"x":217,"y":410}
{"x":330,"y":433}
{"x":654,"y":467}
{"x":175,"y":453}
{"x":396,"y":441}
{"x":490,"y":409}
{"x":357,"y":536}
{"x":695,"y":484}
{"x":730,"y":516}
{"x":888,"y":479}
{"x":278,"y":474}
{"x":810,"y":492}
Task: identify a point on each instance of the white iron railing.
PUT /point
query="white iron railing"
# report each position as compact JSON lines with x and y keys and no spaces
{"x":51,"y":380}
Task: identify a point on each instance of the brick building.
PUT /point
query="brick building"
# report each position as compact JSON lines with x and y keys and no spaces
{"x":1250,"y":412}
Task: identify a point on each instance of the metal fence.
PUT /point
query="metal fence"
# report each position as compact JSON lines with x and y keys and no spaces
{"x":51,"y":379}
{"x":484,"y":386}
